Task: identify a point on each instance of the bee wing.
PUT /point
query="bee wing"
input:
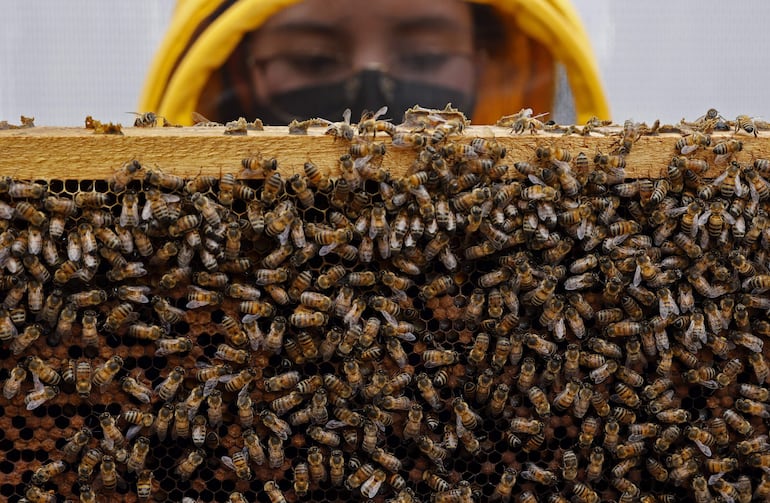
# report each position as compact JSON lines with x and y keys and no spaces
{"x":141,"y":294}
{"x":160,"y":385}
{"x":255,"y":340}
{"x":371,"y":489}
{"x":242,"y":392}
{"x":144,"y":397}
{"x":228,"y":462}
{"x":764,"y":444}
{"x":38,"y":386}
{"x":739,"y":190}
{"x":133,"y":431}
{"x":346,"y":116}
{"x":721,"y":178}
{"x":675,"y":212}
{"x":283,"y":237}
{"x":6,"y":211}
{"x":199,"y":119}
{"x":34,"y":404}
{"x":248,"y":318}
{"x":381,"y":111}
{"x":162,"y":351}
{"x":108,"y":444}
{"x":334,"y":424}
{"x":147,"y":211}
{"x":194,"y":304}
{"x":713,"y":479}
{"x":211,"y":384}
{"x":389,"y":318}
{"x":326,"y":249}
{"x":171,"y":198}
{"x":360,"y":162}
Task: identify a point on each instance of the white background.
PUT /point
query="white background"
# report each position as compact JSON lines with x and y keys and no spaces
{"x":61,"y":61}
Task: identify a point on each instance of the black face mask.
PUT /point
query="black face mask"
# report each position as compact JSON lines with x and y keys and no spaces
{"x":367,"y":90}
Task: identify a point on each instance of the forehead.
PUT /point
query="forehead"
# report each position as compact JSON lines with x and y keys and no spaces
{"x":371,"y":16}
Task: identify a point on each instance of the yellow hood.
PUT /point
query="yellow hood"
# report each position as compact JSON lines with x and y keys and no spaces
{"x":204,"y":33}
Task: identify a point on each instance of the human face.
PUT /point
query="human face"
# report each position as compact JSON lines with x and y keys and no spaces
{"x":326,"y":41}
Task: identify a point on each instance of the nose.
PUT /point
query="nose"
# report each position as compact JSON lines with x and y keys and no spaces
{"x":370,"y":53}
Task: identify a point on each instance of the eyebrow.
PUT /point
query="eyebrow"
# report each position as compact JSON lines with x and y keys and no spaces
{"x":305,"y":27}
{"x":434,"y":23}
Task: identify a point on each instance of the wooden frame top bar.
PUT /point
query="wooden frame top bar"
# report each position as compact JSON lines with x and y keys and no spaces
{"x":78,"y":153}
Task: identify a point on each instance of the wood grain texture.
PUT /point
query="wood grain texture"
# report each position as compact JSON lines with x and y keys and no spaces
{"x":78,"y":153}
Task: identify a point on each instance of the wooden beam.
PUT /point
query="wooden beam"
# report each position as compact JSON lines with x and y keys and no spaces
{"x":78,"y":153}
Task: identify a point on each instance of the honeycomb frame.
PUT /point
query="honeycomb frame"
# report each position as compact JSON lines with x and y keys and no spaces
{"x":514,"y":222}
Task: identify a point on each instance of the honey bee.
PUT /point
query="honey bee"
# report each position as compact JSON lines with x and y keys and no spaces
{"x":143,"y":484}
{"x":522,"y":121}
{"x":336,"y":467}
{"x":386,"y":459}
{"x":466,"y":417}
{"x":432,"y":450}
{"x":752,"y":407}
{"x":693,"y":142}
{"x":171,"y":345}
{"x":603,"y":372}
{"x":275,"y":453}
{"x":108,"y":473}
{"x":439,"y":357}
{"x":12,"y":385}
{"x":588,"y":430}
{"x":673,"y":416}
{"x":278,"y":426}
{"x":539,"y":401}
{"x":48,"y":471}
{"x":40,"y":393}
{"x":199,"y":297}
{"x":284,"y":404}
{"x":138,"y":456}
{"x":747,"y":124}
{"x":229,"y":353}
{"x":504,"y":488}
{"x":136,"y":389}
{"x":25,"y":339}
{"x":239,"y":463}
{"x":182,"y":416}
{"x":539,"y":475}
{"x":630,"y":449}
{"x":168,"y":388}
{"x":724,"y":149}
{"x":28,"y":212}
{"x":189,"y":464}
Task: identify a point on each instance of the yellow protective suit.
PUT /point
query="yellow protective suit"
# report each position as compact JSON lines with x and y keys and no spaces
{"x":204,"y":34}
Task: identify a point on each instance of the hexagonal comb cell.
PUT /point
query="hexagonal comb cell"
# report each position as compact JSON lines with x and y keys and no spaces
{"x":481,"y":329}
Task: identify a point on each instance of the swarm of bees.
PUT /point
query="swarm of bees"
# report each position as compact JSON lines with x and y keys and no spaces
{"x":480,"y":329}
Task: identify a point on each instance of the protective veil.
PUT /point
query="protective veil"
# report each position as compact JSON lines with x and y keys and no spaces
{"x":197,"y":66}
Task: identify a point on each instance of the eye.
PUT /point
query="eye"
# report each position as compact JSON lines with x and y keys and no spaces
{"x":314,"y":64}
{"x":424,"y":61}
